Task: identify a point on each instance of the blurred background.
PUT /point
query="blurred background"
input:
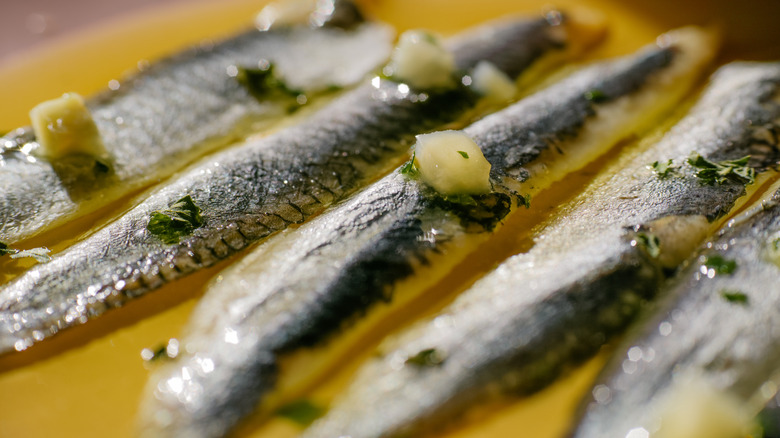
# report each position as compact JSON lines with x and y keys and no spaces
{"x":748,"y":23}
{"x":25,"y":24}
{"x":48,"y":47}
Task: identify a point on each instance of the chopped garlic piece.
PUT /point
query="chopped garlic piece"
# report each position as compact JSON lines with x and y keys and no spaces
{"x":285,"y":13}
{"x":492,"y":83}
{"x":694,"y":408}
{"x":422,"y":62}
{"x":64,"y":126}
{"x":677,"y":234}
{"x":451,"y":163}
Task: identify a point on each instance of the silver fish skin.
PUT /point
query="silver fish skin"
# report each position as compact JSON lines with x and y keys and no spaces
{"x":246,"y":194}
{"x":175,"y":111}
{"x":714,"y":331}
{"x":541,"y":312}
{"x":300,"y":289}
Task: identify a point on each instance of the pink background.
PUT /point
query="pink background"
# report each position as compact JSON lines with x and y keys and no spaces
{"x":27,"y":23}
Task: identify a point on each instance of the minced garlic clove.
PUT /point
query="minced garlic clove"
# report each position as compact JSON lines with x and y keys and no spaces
{"x":452,"y":164}
{"x":64,"y":126}
{"x":692,"y":407}
{"x":420,"y":60}
{"x":492,"y":83}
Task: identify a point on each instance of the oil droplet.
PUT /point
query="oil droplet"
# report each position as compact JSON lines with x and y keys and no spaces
{"x":665,"y":328}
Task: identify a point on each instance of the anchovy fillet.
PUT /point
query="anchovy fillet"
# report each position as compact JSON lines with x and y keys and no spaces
{"x":174,"y":112}
{"x":519,"y":327}
{"x":246,"y":194}
{"x":301,"y":288}
{"x":716,"y":329}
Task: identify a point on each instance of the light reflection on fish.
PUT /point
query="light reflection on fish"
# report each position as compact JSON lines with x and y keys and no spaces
{"x":178,"y":109}
{"x":541,"y":312}
{"x":259,"y":188}
{"x":301,"y":288}
{"x":714,"y":336}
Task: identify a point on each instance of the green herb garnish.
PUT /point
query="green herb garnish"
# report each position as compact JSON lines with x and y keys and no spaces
{"x":41,"y":255}
{"x":662,"y":169}
{"x":476,"y":213}
{"x":524,"y":201}
{"x":767,"y":424}
{"x":710,"y":172}
{"x":734,"y":296}
{"x":775,"y":244}
{"x":464,"y":154}
{"x":719,"y":264}
{"x":303,"y":412}
{"x":178,"y":221}
{"x":102,"y":166}
{"x":426,"y":358}
{"x":6,"y":250}
{"x":262,"y":81}
{"x":595,"y":96}
{"x":332,"y":88}
{"x":650,"y":243}
{"x":773,"y":250}
{"x":159,"y":353}
{"x":430,"y":38}
{"x":410,"y":168}
{"x":460,"y":199}
{"x":165,"y":351}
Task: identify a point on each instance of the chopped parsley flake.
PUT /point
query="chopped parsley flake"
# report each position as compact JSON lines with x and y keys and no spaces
{"x":429,"y":37}
{"x":5,"y":249}
{"x":710,"y":172}
{"x":164,"y":351}
{"x":331,"y":88}
{"x":663,"y":169}
{"x":102,"y":166}
{"x":774,"y":246}
{"x":178,"y":221}
{"x":773,"y":250}
{"x":410,"y":168}
{"x":460,"y":199}
{"x":525,"y":201}
{"x":596,"y":96}
{"x":426,"y":358}
{"x":303,"y":412}
{"x":720,"y":264}
{"x":41,"y":255}
{"x":262,"y":81}
{"x":464,"y":154}
{"x":650,"y":243}
{"x":734,"y":296}
{"x":767,"y":423}
{"x":155,"y":355}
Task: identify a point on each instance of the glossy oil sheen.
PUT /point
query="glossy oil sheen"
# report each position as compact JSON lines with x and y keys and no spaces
{"x":536,"y":314}
{"x":255,"y":189}
{"x":342,"y":266}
